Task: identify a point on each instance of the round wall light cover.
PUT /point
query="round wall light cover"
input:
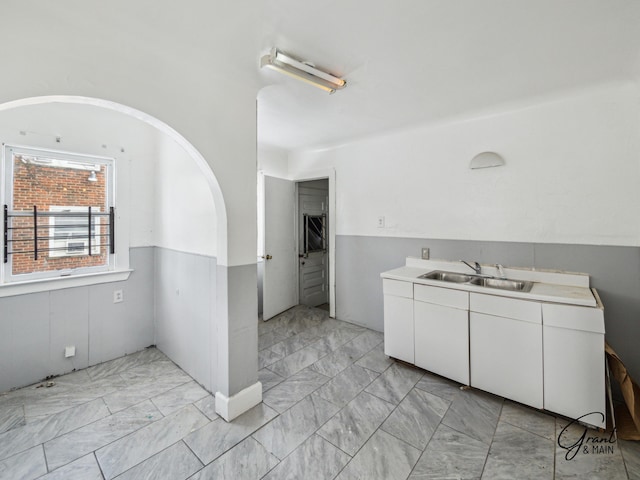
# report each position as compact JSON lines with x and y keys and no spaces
{"x":486,"y":160}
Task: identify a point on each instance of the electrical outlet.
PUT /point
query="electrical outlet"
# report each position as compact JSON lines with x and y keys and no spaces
{"x":380,"y":222}
{"x":425,"y":253}
{"x":118,"y":296}
{"x":70,"y":351}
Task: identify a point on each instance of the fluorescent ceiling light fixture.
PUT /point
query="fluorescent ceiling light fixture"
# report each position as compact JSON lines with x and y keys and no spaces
{"x":284,"y":63}
{"x":486,"y":160}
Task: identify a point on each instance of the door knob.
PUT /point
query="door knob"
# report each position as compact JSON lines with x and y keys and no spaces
{"x":267,"y":257}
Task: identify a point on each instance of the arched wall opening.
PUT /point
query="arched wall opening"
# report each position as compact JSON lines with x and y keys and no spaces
{"x":165,"y":189}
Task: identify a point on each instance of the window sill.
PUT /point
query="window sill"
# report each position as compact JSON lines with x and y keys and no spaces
{"x":58,"y":283}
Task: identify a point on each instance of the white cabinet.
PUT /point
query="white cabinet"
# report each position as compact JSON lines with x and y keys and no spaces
{"x":546,"y":355}
{"x":398,"y":320}
{"x":574,"y":376}
{"x":441,"y":322}
{"x":506,"y":348}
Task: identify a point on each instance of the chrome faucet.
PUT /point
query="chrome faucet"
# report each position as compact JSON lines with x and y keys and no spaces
{"x":477,"y":268}
{"x":500,"y":271}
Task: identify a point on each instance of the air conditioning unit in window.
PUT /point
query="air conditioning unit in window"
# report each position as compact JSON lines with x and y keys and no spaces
{"x":77,"y":247}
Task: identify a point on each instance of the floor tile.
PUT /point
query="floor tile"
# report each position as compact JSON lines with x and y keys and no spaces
{"x":516,"y":453}
{"x":354,"y":424}
{"x":127,"y":452}
{"x":593,"y":457}
{"x":534,"y":421}
{"x":631,"y":454}
{"x":366,"y":341}
{"x":439,"y":386}
{"x":127,"y":362}
{"x":383,"y":457}
{"x":295,"y":362}
{"x":344,"y":387}
{"x":389,"y":421}
{"x":211,"y":441}
{"x":68,"y":398}
{"x":207,"y":405}
{"x":178,"y":397}
{"x":315,"y":459}
{"x":26,"y":465}
{"x":394,"y":384}
{"x":32,"y":434}
{"x":85,"y":468}
{"x":283,"y":435}
{"x":474,"y":413}
{"x":294,"y":343}
{"x":376,"y":360}
{"x":294,"y":389}
{"x":174,"y":463}
{"x":158,"y":369}
{"x":270,"y":339}
{"x":246,"y":461}
{"x":11,"y":416}
{"x":451,"y":454}
{"x":268,"y":379}
{"x":336,"y":338}
{"x":143,"y":390}
{"x":336,"y":361}
{"x":267,"y":357}
{"x":416,"y":418}
{"x":73,"y":445}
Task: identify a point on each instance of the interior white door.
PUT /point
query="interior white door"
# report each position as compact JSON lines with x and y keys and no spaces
{"x":314,"y":259}
{"x":279,"y":277}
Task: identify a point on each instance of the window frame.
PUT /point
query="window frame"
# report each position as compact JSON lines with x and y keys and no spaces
{"x":7,"y":172}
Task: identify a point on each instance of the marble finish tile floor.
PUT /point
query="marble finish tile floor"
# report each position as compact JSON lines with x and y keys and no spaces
{"x":334,"y":407}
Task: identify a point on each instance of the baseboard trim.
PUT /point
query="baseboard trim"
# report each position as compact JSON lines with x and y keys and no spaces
{"x":235,"y":405}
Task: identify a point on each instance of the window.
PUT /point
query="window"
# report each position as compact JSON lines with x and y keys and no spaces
{"x":58,"y":214}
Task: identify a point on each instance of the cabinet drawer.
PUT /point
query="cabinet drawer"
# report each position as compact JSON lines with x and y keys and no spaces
{"x":587,"y":319}
{"x":397,"y":288}
{"x":506,"y":307}
{"x":441,"y":296}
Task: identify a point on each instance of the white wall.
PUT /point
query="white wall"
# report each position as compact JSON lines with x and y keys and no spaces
{"x":273,"y":161}
{"x":184,"y":212}
{"x":571,"y":176}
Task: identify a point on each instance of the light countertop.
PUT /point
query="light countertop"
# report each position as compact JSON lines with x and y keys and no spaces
{"x":544,"y":291}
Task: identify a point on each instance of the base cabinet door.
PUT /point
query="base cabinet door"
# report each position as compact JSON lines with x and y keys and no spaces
{"x":506,"y":357}
{"x":574,"y":363}
{"x":442,"y":340}
{"x":398,"y":320}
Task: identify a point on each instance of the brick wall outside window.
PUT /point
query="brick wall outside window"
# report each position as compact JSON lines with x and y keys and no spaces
{"x":45,"y":186}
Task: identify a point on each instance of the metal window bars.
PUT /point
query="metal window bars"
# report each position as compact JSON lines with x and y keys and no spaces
{"x":29,"y":234}
{"x":315,"y":229}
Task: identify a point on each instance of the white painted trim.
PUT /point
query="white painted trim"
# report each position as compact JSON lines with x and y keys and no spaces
{"x":329,"y":173}
{"x":58,"y":283}
{"x":235,"y":405}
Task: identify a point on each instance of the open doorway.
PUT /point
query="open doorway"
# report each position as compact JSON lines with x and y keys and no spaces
{"x":296,"y":240}
{"x":313,"y":242}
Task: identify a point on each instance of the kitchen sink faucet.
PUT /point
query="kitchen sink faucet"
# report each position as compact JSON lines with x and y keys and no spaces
{"x":477,"y":268}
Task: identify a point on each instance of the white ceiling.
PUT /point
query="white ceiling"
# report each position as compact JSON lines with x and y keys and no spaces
{"x":411,"y":62}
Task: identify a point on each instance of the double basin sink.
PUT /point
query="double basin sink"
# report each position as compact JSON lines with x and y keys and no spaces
{"x":479,"y":280}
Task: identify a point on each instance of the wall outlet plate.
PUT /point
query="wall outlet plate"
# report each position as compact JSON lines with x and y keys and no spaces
{"x":70,"y":351}
{"x":118,"y":296}
{"x":425,"y":253}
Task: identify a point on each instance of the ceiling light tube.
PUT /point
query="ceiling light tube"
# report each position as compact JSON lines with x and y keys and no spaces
{"x":286,"y":64}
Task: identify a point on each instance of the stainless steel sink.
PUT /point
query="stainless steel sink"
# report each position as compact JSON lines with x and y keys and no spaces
{"x":447,"y":276}
{"x":502,"y":284}
{"x":489,"y":282}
